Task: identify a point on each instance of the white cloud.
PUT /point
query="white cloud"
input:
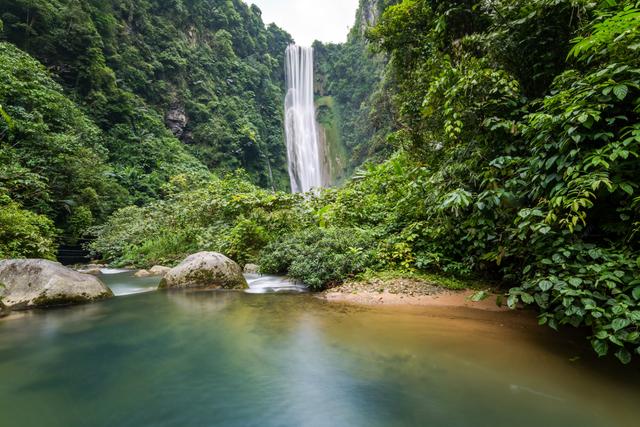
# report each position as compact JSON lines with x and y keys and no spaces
{"x":309,"y":20}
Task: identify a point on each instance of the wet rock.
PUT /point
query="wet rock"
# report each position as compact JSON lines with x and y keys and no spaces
{"x":251,"y":269}
{"x":159,"y":270}
{"x":156,"y":270}
{"x":369,"y":15}
{"x":205,"y":270}
{"x":32,"y":283}
{"x":142,"y":273}
{"x":93,"y":271}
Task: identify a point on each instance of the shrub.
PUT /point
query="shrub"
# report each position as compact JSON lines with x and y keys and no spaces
{"x":320,"y":257}
{"x":228,"y":215}
{"x":24,"y":234}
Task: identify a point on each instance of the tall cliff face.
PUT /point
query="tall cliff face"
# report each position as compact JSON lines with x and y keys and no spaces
{"x":368,"y":14}
{"x":206,"y":72}
{"x":352,"y":100}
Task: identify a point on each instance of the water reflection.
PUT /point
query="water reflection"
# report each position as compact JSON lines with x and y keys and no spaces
{"x":235,"y":359}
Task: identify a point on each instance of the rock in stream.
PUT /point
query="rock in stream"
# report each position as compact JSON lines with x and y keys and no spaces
{"x":33,"y":283}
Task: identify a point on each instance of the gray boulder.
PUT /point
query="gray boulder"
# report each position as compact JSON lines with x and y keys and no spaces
{"x":251,"y":269}
{"x":32,"y":283}
{"x":205,"y":270}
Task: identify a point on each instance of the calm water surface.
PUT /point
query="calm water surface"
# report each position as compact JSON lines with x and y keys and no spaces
{"x":241,"y":359}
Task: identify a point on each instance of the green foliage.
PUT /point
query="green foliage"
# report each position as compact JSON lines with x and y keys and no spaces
{"x":227,"y":215}
{"x":320,"y":257}
{"x":52,"y":160}
{"x":445,"y":281}
{"x":24,"y":234}
{"x":133,"y":94}
{"x":7,"y":119}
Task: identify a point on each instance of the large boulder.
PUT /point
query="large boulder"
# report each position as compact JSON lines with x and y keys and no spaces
{"x":205,"y":270}
{"x":32,"y":283}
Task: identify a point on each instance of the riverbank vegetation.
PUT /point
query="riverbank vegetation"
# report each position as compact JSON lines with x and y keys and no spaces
{"x":511,"y":149}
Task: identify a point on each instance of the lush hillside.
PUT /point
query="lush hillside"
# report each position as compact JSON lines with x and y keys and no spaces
{"x":207,"y":69}
{"x":104,"y":102}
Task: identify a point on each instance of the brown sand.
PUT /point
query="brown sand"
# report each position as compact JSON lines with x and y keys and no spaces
{"x":407,"y":292}
{"x":443,"y":299}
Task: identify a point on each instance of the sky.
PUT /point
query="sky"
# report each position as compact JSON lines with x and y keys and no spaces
{"x":309,"y":20}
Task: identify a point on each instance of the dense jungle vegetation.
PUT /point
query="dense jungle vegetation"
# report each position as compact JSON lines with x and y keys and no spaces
{"x":103,"y":102}
{"x":507,"y":139}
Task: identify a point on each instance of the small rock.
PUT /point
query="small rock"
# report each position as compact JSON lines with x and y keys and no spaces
{"x":159,"y":270}
{"x":251,"y":269}
{"x":177,"y":120}
{"x":142,"y":273}
{"x":92,"y":271}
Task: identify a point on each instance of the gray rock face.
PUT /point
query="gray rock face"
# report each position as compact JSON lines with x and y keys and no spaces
{"x":176,"y":119}
{"x":205,"y":270}
{"x":251,"y":269}
{"x":368,"y":15}
{"x":32,"y":283}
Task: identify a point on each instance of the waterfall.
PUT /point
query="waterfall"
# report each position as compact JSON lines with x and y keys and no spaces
{"x":303,"y":144}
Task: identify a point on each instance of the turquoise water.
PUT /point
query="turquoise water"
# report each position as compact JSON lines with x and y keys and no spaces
{"x":240,"y":359}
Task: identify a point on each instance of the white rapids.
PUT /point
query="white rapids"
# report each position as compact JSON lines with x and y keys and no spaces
{"x":272,"y":284}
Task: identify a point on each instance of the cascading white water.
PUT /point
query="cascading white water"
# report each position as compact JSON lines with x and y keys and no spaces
{"x":303,"y":144}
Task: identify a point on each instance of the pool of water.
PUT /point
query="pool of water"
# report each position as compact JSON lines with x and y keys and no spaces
{"x":247,"y":359}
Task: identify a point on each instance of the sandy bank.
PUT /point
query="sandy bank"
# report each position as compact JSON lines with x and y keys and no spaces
{"x":407,"y":292}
